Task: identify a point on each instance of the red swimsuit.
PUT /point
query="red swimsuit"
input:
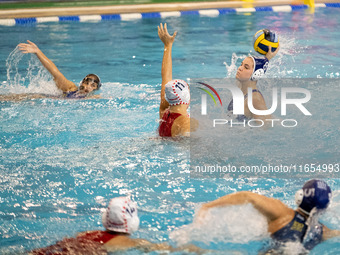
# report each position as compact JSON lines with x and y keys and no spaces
{"x":167,"y":122}
{"x":86,"y":243}
{"x":97,"y":236}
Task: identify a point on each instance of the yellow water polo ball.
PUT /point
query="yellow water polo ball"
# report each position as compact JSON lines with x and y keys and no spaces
{"x":263,"y":39}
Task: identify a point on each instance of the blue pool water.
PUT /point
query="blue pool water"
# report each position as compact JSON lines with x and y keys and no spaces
{"x":62,"y":160}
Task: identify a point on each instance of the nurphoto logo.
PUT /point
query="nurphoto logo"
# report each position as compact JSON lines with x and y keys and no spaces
{"x":238,"y":106}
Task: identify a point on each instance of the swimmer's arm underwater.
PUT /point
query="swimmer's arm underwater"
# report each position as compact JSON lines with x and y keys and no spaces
{"x":329,"y":233}
{"x":124,"y":243}
{"x":22,"y":97}
{"x":168,"y":41}
{"x":271,"y":208}
{"x":60,"y":80}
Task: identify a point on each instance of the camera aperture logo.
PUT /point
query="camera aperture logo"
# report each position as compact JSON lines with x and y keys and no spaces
{"x":236,"y":108}
{"x":204,"y":97}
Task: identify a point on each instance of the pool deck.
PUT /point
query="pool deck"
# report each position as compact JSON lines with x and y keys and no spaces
{"x":139,"y":8}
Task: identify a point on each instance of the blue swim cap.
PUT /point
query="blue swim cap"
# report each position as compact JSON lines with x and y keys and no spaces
{"x":260,"y":67}
{"x":314,"y":194}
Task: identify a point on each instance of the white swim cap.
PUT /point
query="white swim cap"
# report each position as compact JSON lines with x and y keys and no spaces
{"x":121,"y":216}
{"x":177,"y":92}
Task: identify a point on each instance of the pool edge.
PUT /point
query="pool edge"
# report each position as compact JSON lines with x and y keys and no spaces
{"x":126,"y":12}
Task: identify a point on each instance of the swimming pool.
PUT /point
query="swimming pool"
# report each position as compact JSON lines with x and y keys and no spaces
{"x":62,"y":160}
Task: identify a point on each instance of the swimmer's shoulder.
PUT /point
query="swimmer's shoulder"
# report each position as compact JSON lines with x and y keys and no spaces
{"x":271,"y":207}
{"x":74,"y":95}
{"x":64,"y":84}
{"x":185,"y":120}
{"x":181,"y":126}
{"x":258,"y":98}
{"x":121,"y":242}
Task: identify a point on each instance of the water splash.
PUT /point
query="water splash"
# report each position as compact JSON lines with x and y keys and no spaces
{"x":12,"y":67}
{"x":36,"y":79}
{"x":331,"y":215}
{"x":232,"y":68}
{"x":280,"y":65}
{"x":230,"y":224}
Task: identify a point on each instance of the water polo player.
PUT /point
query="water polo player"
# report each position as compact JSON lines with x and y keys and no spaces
{"x":120,"y":220}
{"x":90,"y":83}
{"x":285,"y":224}
{"x":175,"y":94}
{"x":250,"y":71}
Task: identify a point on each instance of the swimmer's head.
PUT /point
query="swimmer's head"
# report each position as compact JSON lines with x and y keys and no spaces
{"x":121,"y":216}
{"x":177,"y":92}
{"x":90,"y":83}
{"x":245,"y":70}
{"x":252,"y":68}
{"x":314,"y":194}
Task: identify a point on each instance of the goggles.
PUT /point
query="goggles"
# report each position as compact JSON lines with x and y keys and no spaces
{"x":88,"y":80}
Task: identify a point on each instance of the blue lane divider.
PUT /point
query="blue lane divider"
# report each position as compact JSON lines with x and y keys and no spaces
{"x":151,"y":15}
{"x":23,"y":21}
{"x":333,"y":5}
{"x":110,"y":16}
{"x":69,"y":18}
{"x":299,"y":7}
{"x":226,"y":11}
{"x":222,"y":11}
{"x":264,"y":9}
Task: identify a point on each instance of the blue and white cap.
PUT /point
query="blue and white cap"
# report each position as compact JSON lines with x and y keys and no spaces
{"x":314,"y":194}
{"x":121,"y":216}
{"x":260,"y":67}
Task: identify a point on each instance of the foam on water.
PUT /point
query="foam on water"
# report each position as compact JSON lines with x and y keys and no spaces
{"x":232,"y":68}
{"x":227,"y":225}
